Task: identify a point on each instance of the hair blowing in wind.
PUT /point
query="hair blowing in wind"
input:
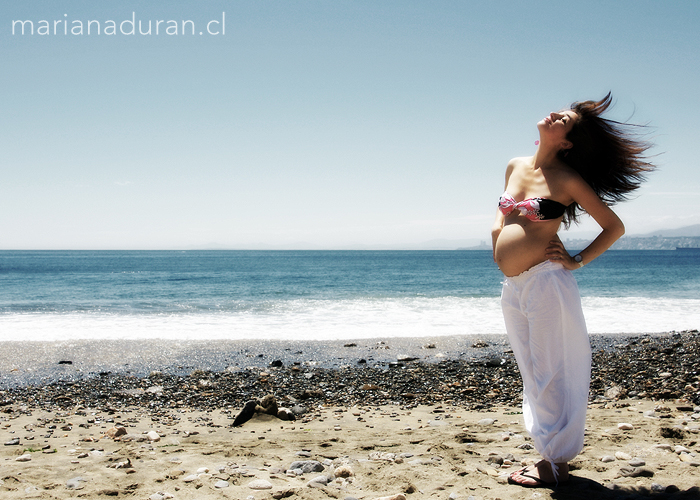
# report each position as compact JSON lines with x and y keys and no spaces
{"x":609,"y":155}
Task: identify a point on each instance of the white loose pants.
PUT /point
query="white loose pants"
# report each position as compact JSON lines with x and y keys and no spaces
{"x":547,"y":331}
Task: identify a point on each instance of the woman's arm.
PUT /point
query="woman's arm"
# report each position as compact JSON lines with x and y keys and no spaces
{"x":496,"y":231}
{"x":611,"y":225}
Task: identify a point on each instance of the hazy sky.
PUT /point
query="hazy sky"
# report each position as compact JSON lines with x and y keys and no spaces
{"x":323,"y":124}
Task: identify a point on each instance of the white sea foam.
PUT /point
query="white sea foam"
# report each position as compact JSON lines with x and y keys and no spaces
{"x":344,"y":319}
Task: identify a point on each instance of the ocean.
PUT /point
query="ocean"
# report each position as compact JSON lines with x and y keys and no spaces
{"x":315,"y":295}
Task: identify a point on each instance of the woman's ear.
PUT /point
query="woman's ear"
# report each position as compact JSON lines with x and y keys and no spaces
{"x":566,"y":145}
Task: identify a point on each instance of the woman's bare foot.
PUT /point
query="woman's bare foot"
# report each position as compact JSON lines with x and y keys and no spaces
{"x":540,"y":474}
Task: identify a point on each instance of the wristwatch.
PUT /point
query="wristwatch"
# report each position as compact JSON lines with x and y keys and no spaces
{"x":579,"y":259}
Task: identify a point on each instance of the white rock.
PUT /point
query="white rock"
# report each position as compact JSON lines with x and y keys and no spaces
{"x":688,"y":458}
{"x":156,"y":496}
{"x":621,"y":455}
{"x":24,"y":458}
{"x":221,"y":484}
{"x":607,"y":458}
{"x":202,"y":470}
{"x":153,"y":436}
{"x":260,"y":484}
{"x":77,"y":483}
{"x":190,"y":478}
{"x":486,"y":421}
{"x":680,"y":449}
{"x":637,"y":462}
{"x":624,"y":426}
{"x":343,"y":471}
{"x":663,"y":446}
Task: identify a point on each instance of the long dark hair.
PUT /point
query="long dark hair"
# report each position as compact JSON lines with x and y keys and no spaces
{"x":609,"y":155}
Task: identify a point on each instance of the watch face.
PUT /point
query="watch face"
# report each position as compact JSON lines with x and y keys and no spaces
{"x":578,"y":258}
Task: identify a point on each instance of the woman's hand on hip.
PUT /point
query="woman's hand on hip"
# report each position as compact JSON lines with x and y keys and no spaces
{"x":556,"y":252}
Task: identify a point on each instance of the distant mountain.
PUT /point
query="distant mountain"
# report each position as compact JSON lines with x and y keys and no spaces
{"x":692,"y":231}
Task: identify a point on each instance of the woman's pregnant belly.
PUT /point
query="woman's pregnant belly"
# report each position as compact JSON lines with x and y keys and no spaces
{"x":522,"y":246}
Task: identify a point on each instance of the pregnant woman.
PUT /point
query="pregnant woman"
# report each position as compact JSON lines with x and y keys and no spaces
{"x":584,"y":163}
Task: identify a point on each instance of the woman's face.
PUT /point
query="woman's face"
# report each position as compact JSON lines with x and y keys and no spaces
{"x":557,"y":124}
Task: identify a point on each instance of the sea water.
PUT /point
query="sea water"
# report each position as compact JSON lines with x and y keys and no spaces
{"x":316,"y":295}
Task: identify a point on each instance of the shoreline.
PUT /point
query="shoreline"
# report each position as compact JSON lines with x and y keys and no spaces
{"x":31,"y":363}
{"x":480,"y":369}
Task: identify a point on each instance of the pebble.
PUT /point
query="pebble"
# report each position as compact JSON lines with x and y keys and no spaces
{"x":221,"y":484}
{"x":624,"y":426}
{"x":77,"y":483}
{"x":636,"y":472}
{"x":12,"y":442}
{"x":343,"y":471}
{"x":307,"y":466}
{"x":153,"y":436}
{"x":621,"y":455}
{"x":686,"y":457}
{"x":678,"y":449}
{"x":637,"y":462}
{"x":486,"y":422}
{"x":114,"y":432}
{"x":260,"y":484}
{"x":607,"y":458}
{"x":190,"y":478}
{"x":24,"y":458}
{"x":400,"y":496}
{"x":318,"y":481}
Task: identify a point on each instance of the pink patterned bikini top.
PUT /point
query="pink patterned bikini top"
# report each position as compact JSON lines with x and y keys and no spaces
{"x":535,"y":209}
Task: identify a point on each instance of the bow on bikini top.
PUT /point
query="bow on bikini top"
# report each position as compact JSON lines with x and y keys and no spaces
{"x":535,"y":209}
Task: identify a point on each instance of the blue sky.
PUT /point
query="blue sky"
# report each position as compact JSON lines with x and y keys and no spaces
{"x":321,"y":124}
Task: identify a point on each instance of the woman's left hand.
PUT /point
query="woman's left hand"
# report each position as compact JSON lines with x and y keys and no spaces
{"x":557,"y":253}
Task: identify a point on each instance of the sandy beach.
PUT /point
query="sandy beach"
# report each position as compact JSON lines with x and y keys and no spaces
{"x":412,"y":428}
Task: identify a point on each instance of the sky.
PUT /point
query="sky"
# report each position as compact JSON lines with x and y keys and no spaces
{"x":321,"y":124}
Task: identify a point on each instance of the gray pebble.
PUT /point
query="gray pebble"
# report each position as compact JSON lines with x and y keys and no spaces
{"x":307,"y":466}
{"x":319,"y":481}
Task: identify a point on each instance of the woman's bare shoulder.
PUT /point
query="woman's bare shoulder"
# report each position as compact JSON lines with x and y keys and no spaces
{"x":518,"y":163}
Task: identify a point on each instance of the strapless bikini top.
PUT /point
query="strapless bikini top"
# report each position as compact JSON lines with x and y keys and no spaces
{"x":535,"y":209}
